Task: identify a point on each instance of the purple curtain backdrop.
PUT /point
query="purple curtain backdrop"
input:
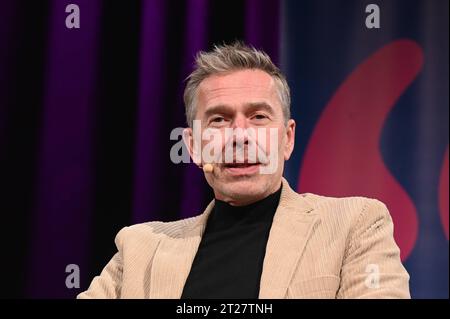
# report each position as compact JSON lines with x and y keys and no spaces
{"x":62,"y":203}
{"x":149,"y":179}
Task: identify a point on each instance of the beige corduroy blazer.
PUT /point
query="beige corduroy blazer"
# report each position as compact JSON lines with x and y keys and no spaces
{"x":318,"y":247}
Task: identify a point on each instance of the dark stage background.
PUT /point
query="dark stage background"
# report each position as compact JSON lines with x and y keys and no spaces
{"x":86,"y":115}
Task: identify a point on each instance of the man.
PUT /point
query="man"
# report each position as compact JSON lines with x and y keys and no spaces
{"x":257,"y":238}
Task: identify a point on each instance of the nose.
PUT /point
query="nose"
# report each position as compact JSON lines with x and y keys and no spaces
{"x":240,"y":134}
{"x":240,"y":121}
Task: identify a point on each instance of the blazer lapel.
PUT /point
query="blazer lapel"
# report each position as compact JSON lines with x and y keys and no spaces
{"x":292,"y":225}
{"x":174,"y":257}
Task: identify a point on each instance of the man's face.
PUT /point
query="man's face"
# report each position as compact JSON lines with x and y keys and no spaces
{"x":245,"y":100}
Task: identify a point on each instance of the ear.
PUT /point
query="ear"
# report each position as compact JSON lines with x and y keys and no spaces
{"x":188,"y":139}
{"x":290,"y":139}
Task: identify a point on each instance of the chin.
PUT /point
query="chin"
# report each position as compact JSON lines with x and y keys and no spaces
{"x":242,"y":189}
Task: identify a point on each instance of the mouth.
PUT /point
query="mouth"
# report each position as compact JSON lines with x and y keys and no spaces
{"x":241,"y":168}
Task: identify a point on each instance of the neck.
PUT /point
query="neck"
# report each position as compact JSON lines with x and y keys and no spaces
{"x":244,"y":201}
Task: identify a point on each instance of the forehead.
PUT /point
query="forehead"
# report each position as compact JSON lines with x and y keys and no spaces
{"x":239,"y":86}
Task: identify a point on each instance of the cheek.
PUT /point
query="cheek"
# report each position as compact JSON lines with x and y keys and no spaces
{"x":272,"y":140}
{"x":280,"y":140}
{"x":212,"y":145}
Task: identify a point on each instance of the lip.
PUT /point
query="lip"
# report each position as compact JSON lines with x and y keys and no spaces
{"x":242,"y":170}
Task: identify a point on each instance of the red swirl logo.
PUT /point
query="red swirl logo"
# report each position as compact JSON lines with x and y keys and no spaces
{"x":343,"y":156}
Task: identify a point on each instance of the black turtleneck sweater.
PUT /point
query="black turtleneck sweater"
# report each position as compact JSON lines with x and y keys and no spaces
{"x":229,"y":260}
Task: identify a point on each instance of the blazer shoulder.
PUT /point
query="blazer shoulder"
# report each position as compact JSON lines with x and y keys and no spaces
{"x":353,"y":207}
{"x":146,"y":230}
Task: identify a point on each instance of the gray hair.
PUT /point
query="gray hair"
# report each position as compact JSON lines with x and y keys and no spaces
{"x":227,"y":58}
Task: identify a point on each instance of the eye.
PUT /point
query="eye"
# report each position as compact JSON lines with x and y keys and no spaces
{"x":260,"y":117}
{"x":217,"y":119}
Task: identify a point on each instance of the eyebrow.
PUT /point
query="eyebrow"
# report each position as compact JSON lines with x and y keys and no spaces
{"x":218,"y":109}
{"x":224,"y":109}
{"x":260,"y":106}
